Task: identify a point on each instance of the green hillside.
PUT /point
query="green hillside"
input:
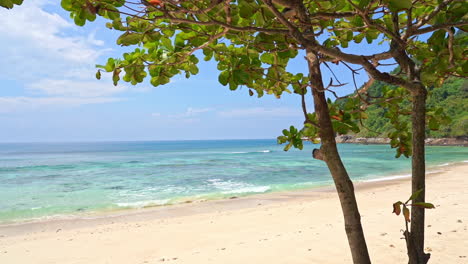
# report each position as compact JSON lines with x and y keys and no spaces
{"x":452,"y":97}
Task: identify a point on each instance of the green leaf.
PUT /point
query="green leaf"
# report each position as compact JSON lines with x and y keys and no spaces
{"x":245,"y":9}
{"x":424,"y":205}
{"x":267,"y":58}
{"x":359,"y":37}
{"x":128,"y":39}
{"x":397,"y":5}
{"x":168,"y":32}
{"x":166,"y":43}
{"x":193,"y":69}
{"x":154,"y":81}
{"x":363,"y":3}
{"x":67,"y":5}
{"x":79,"y":21}
{"x":98,"y":75}
{"x":240,"y":76}
{"x":416,"y":194}
{"x":223,"y":78}
{"x":110,"y":65}
{"x":8,"y":4}
{"x":233,"y":85}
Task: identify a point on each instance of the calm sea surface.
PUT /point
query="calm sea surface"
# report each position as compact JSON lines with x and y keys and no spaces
{"x":41,"y":180}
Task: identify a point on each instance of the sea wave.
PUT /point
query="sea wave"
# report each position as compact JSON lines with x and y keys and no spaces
{"x":388,"y":178}
{"x":256,"y":189}
{"x":443,"y":165}
{"x":400,"y":176}
{"x":142,"y":204}
{"x":229,"y":187}
{"x":249,"y":152}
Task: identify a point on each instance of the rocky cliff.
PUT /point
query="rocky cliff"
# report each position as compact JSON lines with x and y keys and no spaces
{"x":457,"y":141}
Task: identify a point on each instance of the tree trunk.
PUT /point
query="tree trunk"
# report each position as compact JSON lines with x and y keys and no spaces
{"x":343,"y":183}
{"x":416,"y":237}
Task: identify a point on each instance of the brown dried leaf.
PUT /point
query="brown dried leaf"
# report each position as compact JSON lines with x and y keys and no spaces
{"x":397,"y":208}
{"x":406,"y":213}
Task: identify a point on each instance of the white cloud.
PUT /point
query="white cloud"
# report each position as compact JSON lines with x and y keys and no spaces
{"x":92,"y":39}
{"x":76,"y":88}
{"x":195,"y":111}
{"x":23,"y":103}
{"x":191,"y":112}
{"x":80,"y":72}
{"x":53,"y":58}
{"x":191,"y":115}
{"x":29,"y":26}
{"x":255,"y":112}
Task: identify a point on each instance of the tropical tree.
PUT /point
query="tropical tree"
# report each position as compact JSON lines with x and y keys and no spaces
{"x":253,"y":42}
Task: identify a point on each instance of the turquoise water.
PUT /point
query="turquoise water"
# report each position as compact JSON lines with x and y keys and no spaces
{"x":40,"y":180}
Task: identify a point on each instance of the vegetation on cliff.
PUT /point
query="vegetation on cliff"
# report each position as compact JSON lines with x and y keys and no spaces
{"x":451,"y":97}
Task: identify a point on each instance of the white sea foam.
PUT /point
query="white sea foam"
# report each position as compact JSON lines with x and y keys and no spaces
{"x":141,"y":204}
{"x":400,"y":176}
{"x":444,"y":164}
{"x":230,"y":187}
{"x":389,"y":178}
{"x":257,"y":189}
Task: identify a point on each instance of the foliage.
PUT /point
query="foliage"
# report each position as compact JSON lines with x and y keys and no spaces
{"x":447,"y":107}
{"x":9,"y":4}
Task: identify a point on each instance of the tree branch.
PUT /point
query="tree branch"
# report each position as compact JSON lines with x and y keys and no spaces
{"x":426,"y":19}
{"x":439,"y":26}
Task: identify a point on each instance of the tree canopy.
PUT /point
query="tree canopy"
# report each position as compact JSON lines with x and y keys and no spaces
{"x":253,"y":41}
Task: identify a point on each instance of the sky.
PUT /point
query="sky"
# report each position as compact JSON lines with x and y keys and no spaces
{"x":49,"y":93}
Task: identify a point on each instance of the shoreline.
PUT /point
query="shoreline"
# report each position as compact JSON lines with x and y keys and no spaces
{"x":191,"y":207}
{"x":277,"y":228}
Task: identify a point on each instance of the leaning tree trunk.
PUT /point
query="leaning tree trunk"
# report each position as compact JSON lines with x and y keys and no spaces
{"x":329,"y":152}
{"x":416,"y":236}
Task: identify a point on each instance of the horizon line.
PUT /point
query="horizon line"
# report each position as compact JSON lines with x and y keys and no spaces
{"x":136,"y":140}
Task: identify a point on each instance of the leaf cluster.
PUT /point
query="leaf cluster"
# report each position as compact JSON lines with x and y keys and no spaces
{"x":9,"y":4}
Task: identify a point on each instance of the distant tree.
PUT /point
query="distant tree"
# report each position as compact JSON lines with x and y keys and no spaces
{"x":253,"y":41}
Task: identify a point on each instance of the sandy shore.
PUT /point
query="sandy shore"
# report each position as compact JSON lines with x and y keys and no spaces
{"x":296,"y":227}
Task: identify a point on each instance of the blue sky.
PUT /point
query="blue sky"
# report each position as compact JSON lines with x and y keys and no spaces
{"x":48,"y":91}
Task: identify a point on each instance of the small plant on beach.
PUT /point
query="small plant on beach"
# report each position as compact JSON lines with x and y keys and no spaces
{"x":403,"y":207}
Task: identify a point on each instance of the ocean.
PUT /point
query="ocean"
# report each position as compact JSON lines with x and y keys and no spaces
{"x":53,"y":180}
